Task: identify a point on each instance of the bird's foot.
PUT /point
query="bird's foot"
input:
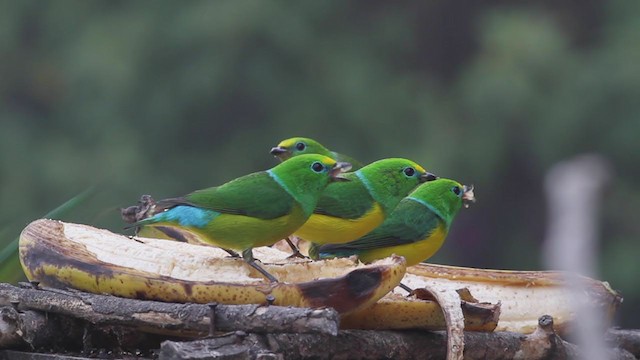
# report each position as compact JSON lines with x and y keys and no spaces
{"x":407,"y":289}
{"x":247,"y":255}
{"x":297,"y":254}
{"x":294,"y":249}
{"x":232,"y":254}
{"x":272,"y":279}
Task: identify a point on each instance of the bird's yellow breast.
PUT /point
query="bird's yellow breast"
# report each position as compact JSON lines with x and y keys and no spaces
{"x":414,"y":253}
{"x":239,"y":232}
{"x":323,"y":229}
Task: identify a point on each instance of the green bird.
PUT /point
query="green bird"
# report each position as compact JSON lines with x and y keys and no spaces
{"x":416,"y":229}
{"x":350,"y":209}
{"x":299,"y":145}
{"x":254,"y":210}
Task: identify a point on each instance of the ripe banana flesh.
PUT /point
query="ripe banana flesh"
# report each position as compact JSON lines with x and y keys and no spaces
{"x":85,"y":258}
{"x":79,"y":256}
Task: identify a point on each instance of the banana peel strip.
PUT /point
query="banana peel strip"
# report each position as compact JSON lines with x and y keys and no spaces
{"x":523,"y":296}
{"x":451,"y":304}
{"x":78,"y":256}
{"x":395,"y":311}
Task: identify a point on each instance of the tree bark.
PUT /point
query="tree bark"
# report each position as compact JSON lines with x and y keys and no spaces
{"x":66,"y":322}
{"x":368,"y":344}
{"x":628,"y":340}
{"x":187,"y":320}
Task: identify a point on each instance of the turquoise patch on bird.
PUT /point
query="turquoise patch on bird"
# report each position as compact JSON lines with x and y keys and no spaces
{"x":282,"y":184}
{"x":365,"y":182}
{"x":188,"y":216}
{"x":331,"y":255}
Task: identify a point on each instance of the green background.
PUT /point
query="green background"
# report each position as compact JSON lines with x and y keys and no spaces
{"x":165,"y":97}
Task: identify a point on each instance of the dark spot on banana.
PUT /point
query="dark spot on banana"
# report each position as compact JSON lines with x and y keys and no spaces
{"x":349,"y":290}
{"x":188,"y":288}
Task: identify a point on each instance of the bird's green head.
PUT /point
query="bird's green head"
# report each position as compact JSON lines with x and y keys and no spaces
{"x":445,"y":197}
{"x":390,"y":180}
{"x":304,"y":177}
{"x":298,"y":146}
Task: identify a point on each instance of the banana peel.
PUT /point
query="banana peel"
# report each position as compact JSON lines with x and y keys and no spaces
{"x":66,"y":255}
{"x":396,"y":311}
{"x":522,"y":298}
{"x":78,"y":256}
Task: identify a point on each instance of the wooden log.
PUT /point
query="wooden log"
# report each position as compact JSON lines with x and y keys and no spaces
{"x":186,"y":320}
{"x":366,"y":344}
{"x":50,"y":328}
{"x":10,"y":333}
{"x":22,"y":355}
{"x":34,"y":329}
{"x":627,"y":339}
{"x":60,"y":335}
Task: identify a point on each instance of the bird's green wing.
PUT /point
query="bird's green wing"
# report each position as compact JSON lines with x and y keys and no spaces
{"x":346,"y":200}
{"x":408,"y":224}
{"x":256,"y":195}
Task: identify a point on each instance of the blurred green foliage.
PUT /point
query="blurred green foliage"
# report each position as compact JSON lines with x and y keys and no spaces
{"x":167,"y":97}
{"x":9,"y":258}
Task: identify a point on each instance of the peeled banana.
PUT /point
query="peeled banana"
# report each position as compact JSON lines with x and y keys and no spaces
{"x":523,"y":297}
{"x":77,"y":256}
{"x":82,"y":257}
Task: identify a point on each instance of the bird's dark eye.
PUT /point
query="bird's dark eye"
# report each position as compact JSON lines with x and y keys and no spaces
{"x":317,"y":167}
{"x":456,"y":190}
{"x":409,"y":171}
{"x":300,"y":146}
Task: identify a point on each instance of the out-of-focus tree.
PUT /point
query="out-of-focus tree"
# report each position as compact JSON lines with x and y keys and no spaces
{"x":167,"y":97}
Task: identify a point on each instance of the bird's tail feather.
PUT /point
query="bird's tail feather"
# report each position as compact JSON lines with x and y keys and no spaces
{"x":329,"y":251}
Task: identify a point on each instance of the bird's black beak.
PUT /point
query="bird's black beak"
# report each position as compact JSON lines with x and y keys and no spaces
{"x":427,"y":177}
{"x":467,"y":195}
{"x":279,"y":152}
{"x":275,"y":151}
{"x":338,"y":169}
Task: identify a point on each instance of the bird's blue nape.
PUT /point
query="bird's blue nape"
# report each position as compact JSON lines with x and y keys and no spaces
{"x":187,"y":216}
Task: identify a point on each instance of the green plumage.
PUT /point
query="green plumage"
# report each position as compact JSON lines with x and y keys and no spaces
{"x":416,"y":228}
{"x":267,"y":200}
{"x":355,"y":164}
{"x":403,"y":227}
{"x":348,"y":210}
{"x":383,"y":182}
{"x":348,"y":200}
{"x":254,"y":210}
{"x":300,"y":145}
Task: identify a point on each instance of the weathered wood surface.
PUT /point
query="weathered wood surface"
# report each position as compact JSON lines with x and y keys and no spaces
{"x":625,"y":339}
{"x":188,"y":320}
{"x":76,"y":325}
{"x":368,"y":344}
{"x":23,"y":355}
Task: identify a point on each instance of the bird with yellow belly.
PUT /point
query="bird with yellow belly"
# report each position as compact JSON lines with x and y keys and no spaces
{"x":350,"y":209}
{"x":416,"y":229}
